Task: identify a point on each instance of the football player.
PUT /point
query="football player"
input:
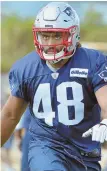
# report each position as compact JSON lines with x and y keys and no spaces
{"x":67,"y":92}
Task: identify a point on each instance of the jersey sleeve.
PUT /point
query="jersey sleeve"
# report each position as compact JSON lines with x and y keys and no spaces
{"x":18,"y":84}
{"x":99,"y":78}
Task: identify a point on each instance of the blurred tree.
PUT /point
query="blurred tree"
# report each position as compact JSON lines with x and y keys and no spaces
{"x":16,"y":38}
{"x":93,"y":27}
{"x":93,"y":17}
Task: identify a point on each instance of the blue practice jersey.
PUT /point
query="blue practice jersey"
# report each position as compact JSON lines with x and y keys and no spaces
{"x":62,"y":102}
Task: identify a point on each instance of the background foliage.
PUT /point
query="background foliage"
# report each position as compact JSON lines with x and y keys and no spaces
{"x":17,"y":37}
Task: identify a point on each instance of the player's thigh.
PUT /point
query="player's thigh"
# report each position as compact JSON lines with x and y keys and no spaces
{"x":97,"y":168}
{"x":93,"y":166}
{"x":42,"y":158}
{"x":76,"y":165}
{"x":93,"y":169}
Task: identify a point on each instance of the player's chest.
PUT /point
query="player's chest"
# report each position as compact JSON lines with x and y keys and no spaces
{"x":59,"y":96}
{"x":61,"y":83}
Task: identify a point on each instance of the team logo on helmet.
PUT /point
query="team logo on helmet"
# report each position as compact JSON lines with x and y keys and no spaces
{"x":103,"y":75}
{"x":68,"y":11}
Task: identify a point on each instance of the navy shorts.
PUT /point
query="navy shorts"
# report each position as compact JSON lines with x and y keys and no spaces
{"x":43,"y":157}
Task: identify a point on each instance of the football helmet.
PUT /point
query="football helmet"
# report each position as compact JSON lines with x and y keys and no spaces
{"x":57,"y":17}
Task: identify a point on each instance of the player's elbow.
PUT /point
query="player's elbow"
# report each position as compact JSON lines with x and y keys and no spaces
{"x":9,"y":116}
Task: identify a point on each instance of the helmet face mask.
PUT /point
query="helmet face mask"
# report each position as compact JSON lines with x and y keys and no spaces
{"x":63,"y":40}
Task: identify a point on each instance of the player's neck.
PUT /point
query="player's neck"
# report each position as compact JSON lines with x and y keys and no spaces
{"x":59,"y":64}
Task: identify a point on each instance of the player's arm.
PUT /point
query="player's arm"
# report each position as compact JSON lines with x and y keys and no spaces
{"x":99,"y":131}
{"x":99,"y":83}
{"x":20,"y":130}
{"x":101,"y":95}
{"x":10,"y":116}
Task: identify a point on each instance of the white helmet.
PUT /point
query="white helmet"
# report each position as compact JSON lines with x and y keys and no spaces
{"x":57,"y":17}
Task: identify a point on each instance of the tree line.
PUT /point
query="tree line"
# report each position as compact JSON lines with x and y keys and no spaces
{"x":17,"y":37}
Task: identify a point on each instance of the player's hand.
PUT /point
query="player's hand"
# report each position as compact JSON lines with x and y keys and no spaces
{"x":98,"y":132}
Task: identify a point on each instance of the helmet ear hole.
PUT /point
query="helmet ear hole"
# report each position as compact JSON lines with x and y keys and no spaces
{"x":65,"y":21}
{"x":36,"y":48}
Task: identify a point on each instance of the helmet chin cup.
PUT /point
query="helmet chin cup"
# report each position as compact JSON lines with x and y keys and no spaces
{"x":58,"y":60}
{"x":55,"y":61}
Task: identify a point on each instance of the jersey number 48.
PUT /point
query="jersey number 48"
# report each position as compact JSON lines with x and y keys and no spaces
{"x":43,"y":94}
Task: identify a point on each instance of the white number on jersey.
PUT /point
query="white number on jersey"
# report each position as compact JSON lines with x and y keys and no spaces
{"x":43,"y":94}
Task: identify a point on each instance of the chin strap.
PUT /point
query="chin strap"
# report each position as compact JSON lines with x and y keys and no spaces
{"x":55,"y":61}
{"x":66,"y":57}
